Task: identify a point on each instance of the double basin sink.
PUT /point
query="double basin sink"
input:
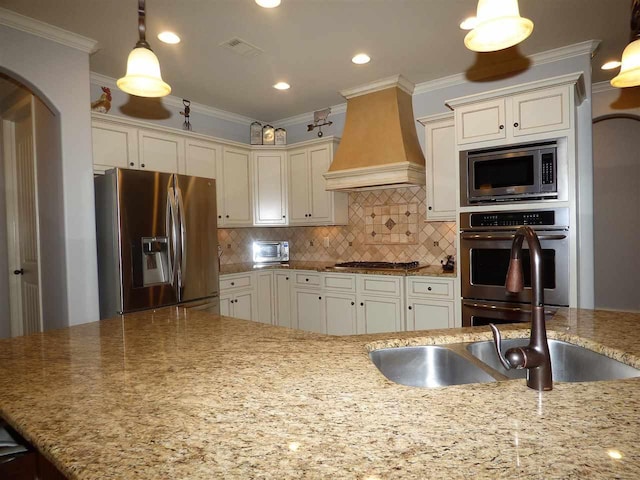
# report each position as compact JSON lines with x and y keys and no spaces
{"x":456,"y":364}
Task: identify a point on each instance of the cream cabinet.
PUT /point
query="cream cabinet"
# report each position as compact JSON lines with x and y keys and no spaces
{"x":514,"y":117}
{"x":440,"y":155}
{"x":340,"y":303}
{"x":282,"y":298}
{"x":380,"y":303}
{"x":430,"y":303}
{"x":309,"y":201}
{"x":238,"y":296}
{"x":265,"y":289}
{"x":114,"y":145}
{"x":269,"y":187}
{"x":161,"y":152}
{"x":202,"y":157}
{"x":234,"y":188}
{"x":307,"y":302}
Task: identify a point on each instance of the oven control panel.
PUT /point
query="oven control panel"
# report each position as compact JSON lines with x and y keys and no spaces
{"x":507,"y":219}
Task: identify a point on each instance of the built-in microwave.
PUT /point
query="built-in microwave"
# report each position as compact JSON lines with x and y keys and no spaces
{"x":509,"y":174}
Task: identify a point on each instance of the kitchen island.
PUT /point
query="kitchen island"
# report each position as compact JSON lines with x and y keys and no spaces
{"x":180,"y":394}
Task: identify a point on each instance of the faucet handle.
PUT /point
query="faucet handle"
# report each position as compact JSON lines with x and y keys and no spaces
{"x":497,"y":340}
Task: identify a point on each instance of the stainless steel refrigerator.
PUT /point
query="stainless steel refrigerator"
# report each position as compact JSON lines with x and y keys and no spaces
{"x":157,"y":241}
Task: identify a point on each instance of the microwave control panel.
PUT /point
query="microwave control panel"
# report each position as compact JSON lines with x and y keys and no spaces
{"x":548,"y":169}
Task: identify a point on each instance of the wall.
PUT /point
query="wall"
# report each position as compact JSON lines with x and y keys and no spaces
{"x":430,"y":244}
{"x":166,"y":112}
{"x":5,"y":311}
{"x":59,"y":75}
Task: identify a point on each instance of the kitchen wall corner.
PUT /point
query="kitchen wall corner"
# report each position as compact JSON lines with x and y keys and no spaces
{"x":433,"y":241}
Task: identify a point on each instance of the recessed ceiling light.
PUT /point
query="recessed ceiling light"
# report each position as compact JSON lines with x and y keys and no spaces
{"x":361,"y":59}
{"x":611,"y":65}
{"x":469,"y":23}
{"x":268,"y":3}
{"x":282,"y":86}
{"x":168,"y":37}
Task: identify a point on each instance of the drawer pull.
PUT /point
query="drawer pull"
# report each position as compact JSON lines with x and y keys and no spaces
{"x":429,"y":288}
{"x":353,"y":303}
{"x":232,"y":284}
{"x":410,"y":307}
{"x":361,"y":304}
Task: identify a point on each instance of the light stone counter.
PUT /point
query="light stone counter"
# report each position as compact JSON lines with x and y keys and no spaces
{"x":427,"y":270}
{"x":179,"y":394}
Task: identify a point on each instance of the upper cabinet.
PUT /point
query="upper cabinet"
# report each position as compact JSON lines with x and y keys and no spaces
{"x":440,"y":155}
{"x":269,"y":187}
{"x":114,"y":145}
{"x":202,"y":157}
{"x":309,"y":201}
{"x":234,"y":188}
{"x":517,"y":114}
{"x":160,"y":152}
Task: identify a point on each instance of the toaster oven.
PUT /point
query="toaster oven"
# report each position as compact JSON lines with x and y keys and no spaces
{"x":270,"y":251}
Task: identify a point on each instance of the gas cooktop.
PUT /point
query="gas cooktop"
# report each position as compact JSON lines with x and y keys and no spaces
{"x":402,"y":266}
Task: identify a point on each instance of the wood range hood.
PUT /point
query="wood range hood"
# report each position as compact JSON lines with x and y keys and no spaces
{"x":379,"y":147}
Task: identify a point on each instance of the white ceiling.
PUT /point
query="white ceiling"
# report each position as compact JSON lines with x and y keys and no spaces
{"x":309,"y":43}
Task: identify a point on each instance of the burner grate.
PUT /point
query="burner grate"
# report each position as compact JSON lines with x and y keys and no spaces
{"x":380,"y":265}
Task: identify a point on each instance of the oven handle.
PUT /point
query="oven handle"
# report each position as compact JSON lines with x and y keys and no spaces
{"x":489,"y":236}
{"x":495,"y":308}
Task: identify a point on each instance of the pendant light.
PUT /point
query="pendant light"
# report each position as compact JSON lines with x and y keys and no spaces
{"x":629,"y":75}
{"x":143,"y":69}
{"x":499,"y":26}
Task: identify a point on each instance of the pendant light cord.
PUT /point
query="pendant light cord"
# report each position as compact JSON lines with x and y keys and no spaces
{"x":142,"y":27}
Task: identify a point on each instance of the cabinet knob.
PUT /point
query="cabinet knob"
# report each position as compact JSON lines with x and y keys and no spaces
{"x":226,"y":216}
{"x":361,"y":304}
{"x":501,"y":127}
{"x":284,"y":216}
{"x":309,"y":215}
{"x":232,"y":284}
{"x":306,"y":279}
{"x":515,"y":124}
{"x":306,"y":214}
{"x":430,"y":208}
{"x":131,"y":164}
{"x":219,"y":216}
{"x":429,"y":288}
{"x":286,"y":278}
{"x":19,"y":272}
{"x":319,"y":298}
{"x":410,"y":307}
{"x":353,"y":303}
{"x":142,"y":165}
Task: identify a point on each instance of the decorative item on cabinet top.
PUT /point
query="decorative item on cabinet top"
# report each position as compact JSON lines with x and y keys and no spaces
{"x":186,"y":125}
{"x":281,"y":136}
{"x":103,"y":104}
{"x":268,"y":135}
{"x":256,"y":133}
{"x":320,"y":120}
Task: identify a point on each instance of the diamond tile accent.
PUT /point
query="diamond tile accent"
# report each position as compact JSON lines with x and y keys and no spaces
{"x":390,"y":224}
{"x":410,"y":238}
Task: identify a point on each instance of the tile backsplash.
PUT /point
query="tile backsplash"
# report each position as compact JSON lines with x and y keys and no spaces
{"x":429,"y":244}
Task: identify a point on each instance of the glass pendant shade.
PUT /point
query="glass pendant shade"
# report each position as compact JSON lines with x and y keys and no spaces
{"x":499,"y":26}
{"x":629,"y":75}
{"x":143,"y":75}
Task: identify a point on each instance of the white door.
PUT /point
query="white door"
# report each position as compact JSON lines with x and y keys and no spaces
{"x":270,"y":188}
{"x":319,"y":161}
{"x":22,"y":219}
{"x":282,"y":299}
{"x":161,"y":152}
{"x":202,"y":157}
{"x":379,"y":314}
{"x":299,"y":208}
{"x":309,"y":311}
{"x":429,"y":314}
{"x":235,"y":187}
{"x":340,"y":313}
{"x":265,"y":288}
{"x":243,"y":305}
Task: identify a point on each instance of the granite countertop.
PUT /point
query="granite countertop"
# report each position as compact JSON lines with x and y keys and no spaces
{"x":427,"y":270}
{"x":180,"y":394}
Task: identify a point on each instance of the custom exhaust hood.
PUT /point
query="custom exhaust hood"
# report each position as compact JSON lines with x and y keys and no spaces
{"x":379,"y":147}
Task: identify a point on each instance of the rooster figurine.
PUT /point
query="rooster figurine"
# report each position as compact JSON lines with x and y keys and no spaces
{"x":103,"y":104}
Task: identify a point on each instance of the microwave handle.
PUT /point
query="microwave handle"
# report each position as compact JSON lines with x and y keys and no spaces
{"x":488,"y":236}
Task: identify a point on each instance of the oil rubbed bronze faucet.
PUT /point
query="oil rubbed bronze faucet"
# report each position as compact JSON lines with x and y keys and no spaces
{"x":535,"y":356}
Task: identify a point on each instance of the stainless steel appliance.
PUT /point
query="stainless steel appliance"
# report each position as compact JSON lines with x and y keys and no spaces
{"x":157,"y":241}
{"x":523,"y":172}
{"x":396,"y":266}
{"x":270,"y":252}
{"x":485,"y":245}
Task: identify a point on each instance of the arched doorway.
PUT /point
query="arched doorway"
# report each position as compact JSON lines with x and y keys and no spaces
{"x":616,"y":143}
{"x":33,"y":277}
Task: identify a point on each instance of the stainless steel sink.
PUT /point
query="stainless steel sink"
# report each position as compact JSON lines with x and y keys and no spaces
{"x":427,"y":366}
{"x":569,"y":363}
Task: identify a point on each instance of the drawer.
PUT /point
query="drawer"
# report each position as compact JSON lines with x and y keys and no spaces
{"x":380,"y":285}
{"x":343,"y":282}
{"x":236,"y":282}
{"x":430,"y":287}
{"x":308,"y":279}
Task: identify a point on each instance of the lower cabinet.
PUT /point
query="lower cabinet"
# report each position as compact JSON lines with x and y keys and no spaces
{"x":239,"y":305}
{"x":430,"y":303}
{"x":308,"y":309}
{"x":282,"y":299}
{"x":341,"y":313}
{"x":265,"y":288}
{"x":379,"y":314}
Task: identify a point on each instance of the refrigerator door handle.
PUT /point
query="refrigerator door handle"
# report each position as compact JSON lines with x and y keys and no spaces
{"x":173,"y":233}
{"x":183,"y":237}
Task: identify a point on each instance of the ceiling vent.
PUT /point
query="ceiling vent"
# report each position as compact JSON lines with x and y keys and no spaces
{"x":241,"y":47}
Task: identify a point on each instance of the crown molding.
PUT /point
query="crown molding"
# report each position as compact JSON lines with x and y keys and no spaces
{"x":601,"y":87}
{"x":395,"y":81}
{"x":44,"y":30}
{"x":557,"y":54}
{"x":173,"y":101}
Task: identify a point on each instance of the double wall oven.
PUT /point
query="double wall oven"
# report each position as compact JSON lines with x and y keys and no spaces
{"x":485,"y":246}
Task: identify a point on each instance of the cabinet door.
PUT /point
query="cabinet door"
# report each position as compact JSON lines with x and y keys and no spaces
{"x":379,"y":314}
{"x":299,"y":207}
{"x":161,"y":152}
{"x":440,"y":145}
{"x":429,"y":314}
{"x":226,"y":305}
{"x":114,"y":146}
{"x":541,"y":111}
{"x":282,"y":314}
{"x":243,"y":306}
{"x":235,"y":188}
{"x":265,"y":290}
{"x":309,"y":311}
{"x":340,"y":311}
{"x":202,"y":157}
{"x":270,"y":188}
{"x":321,"y":199}
{"x":480,"y":122}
